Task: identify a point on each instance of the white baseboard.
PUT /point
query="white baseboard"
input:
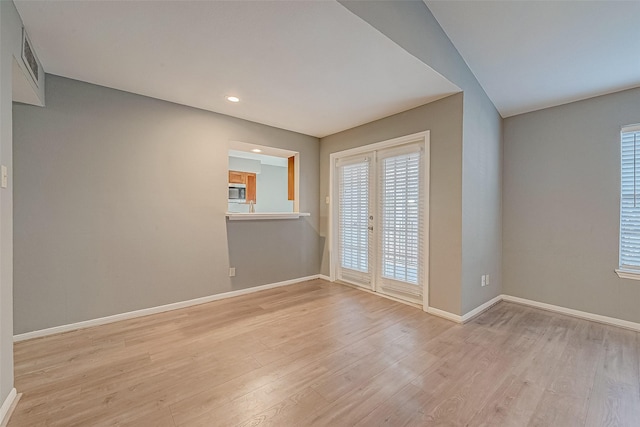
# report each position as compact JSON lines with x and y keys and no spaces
{"x":466,"y":317}
{"x":154,"y":310}
{"x":444,"y":314}
{"x":6,"y":405}
{"x":575,"y":313}
{"x":481,"y":309}
{"x":431,"y":310}
{"x":541,"y":305}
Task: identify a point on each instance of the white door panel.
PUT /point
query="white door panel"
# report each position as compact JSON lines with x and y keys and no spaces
{"x":354,"y":205}
{"x":381,"y":217}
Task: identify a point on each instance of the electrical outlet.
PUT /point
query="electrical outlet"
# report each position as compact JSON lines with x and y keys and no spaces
{"x":232,"y":272}
{"x":484,"y":281}
{"x":487,"y":280}
{"x":326,"y":200}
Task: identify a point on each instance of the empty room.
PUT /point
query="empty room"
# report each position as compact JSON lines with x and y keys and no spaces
{"x":319,"y":213}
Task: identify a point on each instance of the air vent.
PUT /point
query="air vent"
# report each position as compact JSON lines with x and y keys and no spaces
{"x":29,"y":57}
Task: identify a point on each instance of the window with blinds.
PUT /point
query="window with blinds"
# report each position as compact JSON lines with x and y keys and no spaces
{"x":354,"y":220}
{"x":400,"y":225}
{"x":630,"y":198}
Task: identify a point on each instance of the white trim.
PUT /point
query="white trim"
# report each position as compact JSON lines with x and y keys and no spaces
{"x":376,"y":146}
{"x":426,"y":217}
{"x":575,"y":313}
{"x":431,"y":310}
{"x":331,"y":233}
{"x":627,"y":274}
{"x":630,"y":128}
{"x":6,"y":405}
{"x":266,"y":149}
{"x":541,"y":305}
{"x":481,"y":309}
{"x":274,"y":152}
{"x":266,"y":215}
{"x":444,"y":314}
{"x":380,"y":294}
{"x":424,"y":139}
{"x":154,"y":310}
{"x":469,"y":315}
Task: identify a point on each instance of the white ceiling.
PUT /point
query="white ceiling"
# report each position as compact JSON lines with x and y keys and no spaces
{"x":310,"y":67}
{"x":529,"y":55}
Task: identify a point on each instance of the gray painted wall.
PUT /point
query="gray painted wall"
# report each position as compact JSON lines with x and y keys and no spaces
{"x":6,"y":285}
{"x":10,"y":51}
{"x":412,"y":26}
{"x":120,"y":203}
{"x":561,"y":205}
{"x":444,"y":119}
{"x":481,"y":198}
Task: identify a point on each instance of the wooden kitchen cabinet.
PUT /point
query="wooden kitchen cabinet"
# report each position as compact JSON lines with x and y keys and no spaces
{"x":237,"y":177}
{"x":251,"y":187}
{"x":246,"y":178}
{"x":291,"y":174}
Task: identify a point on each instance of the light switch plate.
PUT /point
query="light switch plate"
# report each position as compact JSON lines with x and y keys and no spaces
{"x":5,"y":176}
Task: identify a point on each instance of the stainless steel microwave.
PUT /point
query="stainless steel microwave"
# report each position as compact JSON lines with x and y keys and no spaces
{"x":237,"y":193}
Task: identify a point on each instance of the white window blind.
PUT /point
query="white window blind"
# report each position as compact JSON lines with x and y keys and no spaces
{"x":400,"y":223}
{"x":354,"y":221}
{"x":630,"y":198}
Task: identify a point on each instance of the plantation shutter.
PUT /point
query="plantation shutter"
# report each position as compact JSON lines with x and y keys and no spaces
{"x":630,"y":198}
{"x":401,"y":229}
{"x":354,"y":222}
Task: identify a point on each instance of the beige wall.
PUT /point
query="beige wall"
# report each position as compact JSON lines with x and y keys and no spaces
{"x":561,"y":205}
{"x":120,"y":203}
{"x":443,"y":119}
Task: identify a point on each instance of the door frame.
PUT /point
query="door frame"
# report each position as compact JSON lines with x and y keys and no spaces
{"x":420,"y":137}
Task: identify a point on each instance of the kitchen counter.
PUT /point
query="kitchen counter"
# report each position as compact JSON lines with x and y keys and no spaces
{"x":234,"y":216}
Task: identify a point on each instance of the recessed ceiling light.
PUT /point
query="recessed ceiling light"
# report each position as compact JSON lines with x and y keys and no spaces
{"x":257,"y":150}
{"x":233,"y":99}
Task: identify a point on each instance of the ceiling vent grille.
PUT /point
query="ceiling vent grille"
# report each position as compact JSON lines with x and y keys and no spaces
{"x":29,"y":58}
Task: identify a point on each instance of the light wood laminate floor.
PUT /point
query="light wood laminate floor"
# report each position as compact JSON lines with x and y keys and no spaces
{"x":320,"y":354}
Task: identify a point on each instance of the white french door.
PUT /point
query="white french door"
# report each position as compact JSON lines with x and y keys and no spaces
{"x":355,"y":220}
{"x":400,"y":228}
{"x":381,"y":220}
